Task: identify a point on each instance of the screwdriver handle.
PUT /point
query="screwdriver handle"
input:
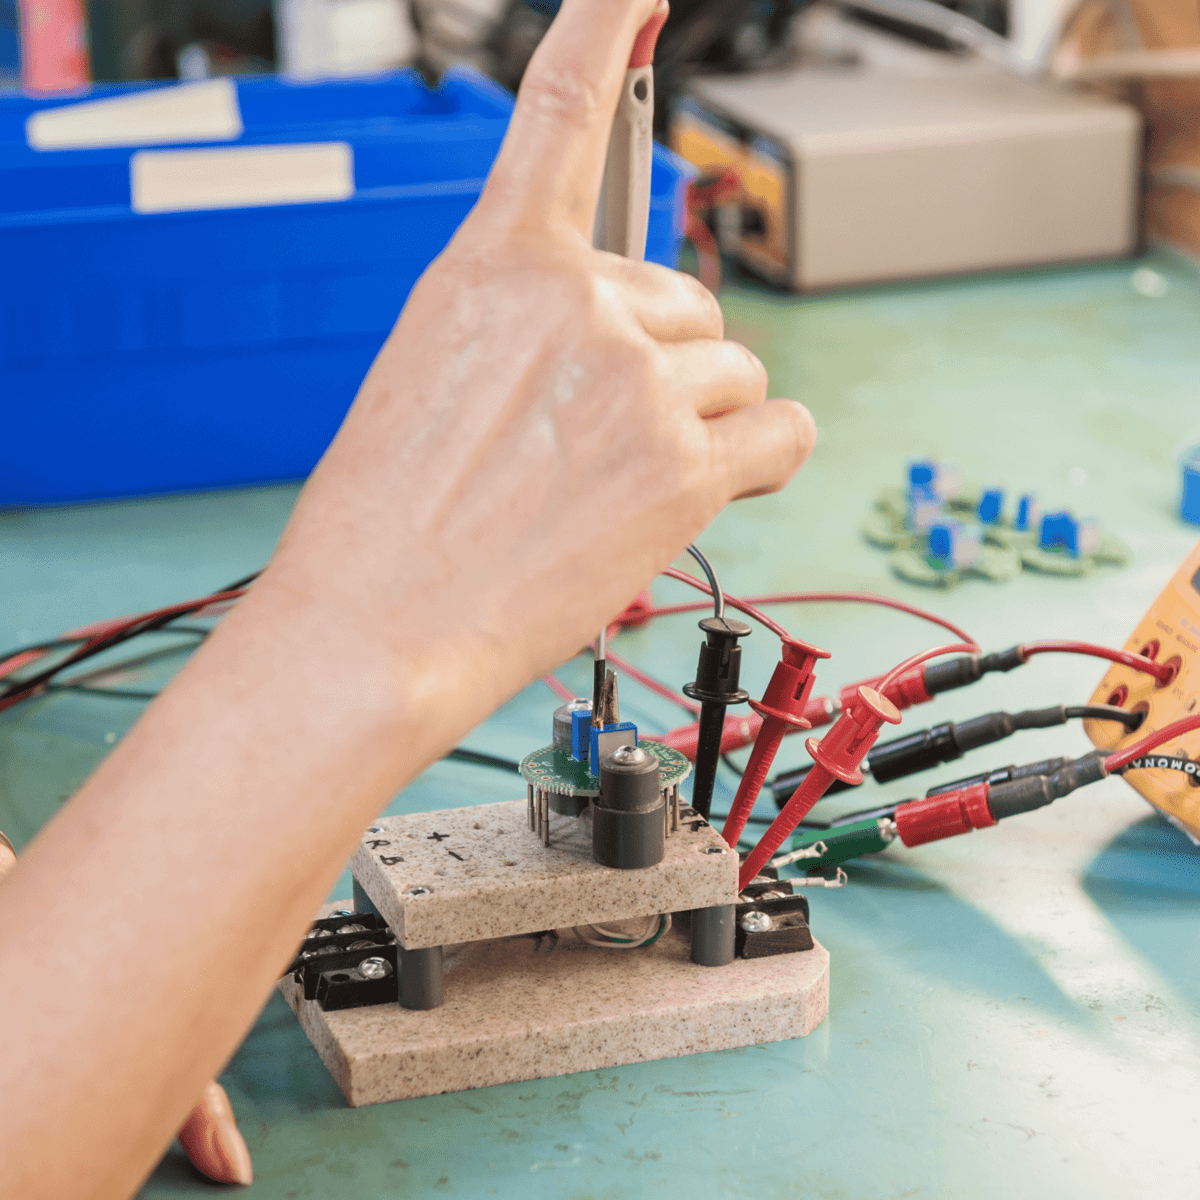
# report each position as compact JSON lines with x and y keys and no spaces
{"x":623,"y":213}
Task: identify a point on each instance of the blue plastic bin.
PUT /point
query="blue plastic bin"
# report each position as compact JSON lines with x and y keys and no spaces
{"x":176,"y":351}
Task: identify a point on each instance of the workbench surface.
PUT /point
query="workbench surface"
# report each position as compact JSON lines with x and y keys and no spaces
{"x":1013,"y":1013}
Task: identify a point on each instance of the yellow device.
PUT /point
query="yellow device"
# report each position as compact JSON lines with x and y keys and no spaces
{"x":1170,"y":633}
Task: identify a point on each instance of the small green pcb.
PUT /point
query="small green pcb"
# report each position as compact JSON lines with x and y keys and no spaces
{"x":553,"y":771}
{"x":1003,"y":553}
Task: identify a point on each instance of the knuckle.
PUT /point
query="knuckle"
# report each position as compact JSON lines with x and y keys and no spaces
{"x":707,"y":309}
{"x":559,"y":94}
{"x":754,"y":367}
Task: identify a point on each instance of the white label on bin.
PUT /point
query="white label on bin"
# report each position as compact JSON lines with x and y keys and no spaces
{"x":240,"y":176}
{"x":192,"y":112}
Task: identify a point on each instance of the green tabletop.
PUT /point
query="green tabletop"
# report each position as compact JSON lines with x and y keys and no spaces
{"x":1012,"y":1013}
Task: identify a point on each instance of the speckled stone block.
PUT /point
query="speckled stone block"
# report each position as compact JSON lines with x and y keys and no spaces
{"x":485,"y":874}
{"x":527,"y":1008}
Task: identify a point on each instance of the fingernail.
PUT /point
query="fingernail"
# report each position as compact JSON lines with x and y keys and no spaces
{"x":232,"y":1149}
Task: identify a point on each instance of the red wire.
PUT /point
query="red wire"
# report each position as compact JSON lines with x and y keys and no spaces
{"x":917,"y":659}
{"x":109,"y":629}
{"x":828,"y":598}
{"x":655,"y":685}
{"x":733,"y":601}
{"x":1122,"y":758}
{"x":1161,"y":671}
{"x":559,"y":688}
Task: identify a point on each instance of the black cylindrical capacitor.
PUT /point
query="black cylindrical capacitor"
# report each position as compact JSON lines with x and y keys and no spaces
{"x":629,"y":819}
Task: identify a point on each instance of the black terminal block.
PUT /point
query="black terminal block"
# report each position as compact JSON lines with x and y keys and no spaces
{"x":338,"y":945}
{"x":769,"y":886}
{"x":372,"y":980}
{"x":777,"y":924}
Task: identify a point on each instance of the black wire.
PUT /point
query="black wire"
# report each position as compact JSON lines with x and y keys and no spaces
{"x":88,"y":690}
{"x":240,"y":583}
{"x":713,"y":582}
{"x":63,"y":643}
{"x":1108,"y":712}
{"x":459,"y":754}
{"x":732,"y":766}
{"x":21,"y":688}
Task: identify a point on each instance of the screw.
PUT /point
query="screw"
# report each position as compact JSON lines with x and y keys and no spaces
{"x":374,"y":968}
{"x":755,"y":922}
{"x":352,"y":929}
{"x":417,"y":891}
{"x":629,"y":755}
{"x":713,"y":850}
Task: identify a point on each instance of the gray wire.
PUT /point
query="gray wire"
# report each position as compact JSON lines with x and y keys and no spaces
{"x":713,"y":582}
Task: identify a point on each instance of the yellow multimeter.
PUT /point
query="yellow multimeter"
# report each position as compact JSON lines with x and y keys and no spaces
{"x":1169,"y":633}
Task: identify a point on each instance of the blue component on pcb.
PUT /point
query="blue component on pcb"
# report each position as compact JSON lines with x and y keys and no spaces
{"x":605,"y":741}
{"x":581,"y":734}
{"x":1063,"y":531}
{"x":991,"y":506}
{"x":1189,"y":504}
{"x":953,"y":545}
{"x":1057,"y":533}
{"x":922,"y":476}
{"x":941,"y":543}
{"x":1029,"y":513}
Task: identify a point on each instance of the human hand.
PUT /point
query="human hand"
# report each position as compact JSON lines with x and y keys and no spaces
{"x":548,"y":425}
{"x":546,"y":428}
{"x":210,"y":1135}
{"x":211,"y":1139}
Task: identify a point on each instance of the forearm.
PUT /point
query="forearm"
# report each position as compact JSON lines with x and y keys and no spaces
{"x":545,"y":429}
{"x":180,"y":878}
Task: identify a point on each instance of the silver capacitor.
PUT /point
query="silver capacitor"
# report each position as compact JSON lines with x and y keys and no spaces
{"x":562,"y":722}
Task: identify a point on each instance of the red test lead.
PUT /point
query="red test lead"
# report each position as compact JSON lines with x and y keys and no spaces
{"x":944,"y":815}
{"x":1121,"y":759}
{"x":837,"y":756}
{"x":782,"y":710}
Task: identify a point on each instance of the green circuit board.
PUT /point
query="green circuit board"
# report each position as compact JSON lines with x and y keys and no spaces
{"x":553,"y":771}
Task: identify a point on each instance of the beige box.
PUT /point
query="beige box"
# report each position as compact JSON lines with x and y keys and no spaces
{"x":858,"y":174}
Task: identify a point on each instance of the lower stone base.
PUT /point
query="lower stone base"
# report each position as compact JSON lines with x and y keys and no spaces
{"x":531,"y":1007}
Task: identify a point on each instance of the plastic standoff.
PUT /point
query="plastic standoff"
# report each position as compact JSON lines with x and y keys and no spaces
{"x":628,"y":825}
{"x":714,"y":935}
{"x":421,"y":978}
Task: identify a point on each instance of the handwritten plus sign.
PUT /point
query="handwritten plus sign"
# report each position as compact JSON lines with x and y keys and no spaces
{"x":437,"y":837}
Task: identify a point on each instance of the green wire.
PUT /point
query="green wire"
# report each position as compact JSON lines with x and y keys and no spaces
{"x":662,"y":928}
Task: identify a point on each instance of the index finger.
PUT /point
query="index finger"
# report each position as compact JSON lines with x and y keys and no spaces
{"x":552,"y":161}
